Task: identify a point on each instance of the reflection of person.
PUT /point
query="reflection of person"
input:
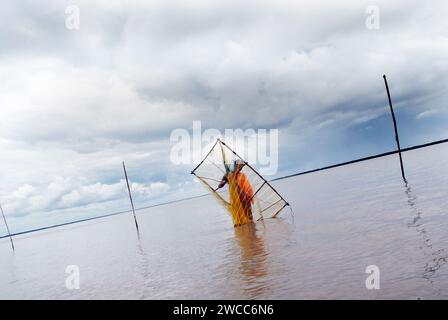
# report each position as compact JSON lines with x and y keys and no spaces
{"x":253,"y":261}
{"x":241,"y":193}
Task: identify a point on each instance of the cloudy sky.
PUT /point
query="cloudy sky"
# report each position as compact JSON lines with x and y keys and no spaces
{"x":76,"y":102}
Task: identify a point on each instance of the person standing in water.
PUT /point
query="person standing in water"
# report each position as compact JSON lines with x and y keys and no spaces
{"x":241,"y":193}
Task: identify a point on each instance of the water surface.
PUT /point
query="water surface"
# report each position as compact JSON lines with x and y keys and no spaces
{"x":345,"y":219}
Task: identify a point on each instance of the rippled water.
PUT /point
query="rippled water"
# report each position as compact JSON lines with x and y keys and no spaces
{"x":344,"y":220}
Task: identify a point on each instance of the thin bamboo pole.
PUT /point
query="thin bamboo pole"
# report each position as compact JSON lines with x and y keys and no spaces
{"x":130,"y":195}
{"x":7,"y":228}
{"x":395,"y":128}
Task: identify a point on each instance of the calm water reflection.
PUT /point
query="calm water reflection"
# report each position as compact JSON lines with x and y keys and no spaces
{"x":254,"y":260}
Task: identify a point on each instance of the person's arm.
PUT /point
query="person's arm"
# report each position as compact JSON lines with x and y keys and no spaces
{"x":222,"y":183}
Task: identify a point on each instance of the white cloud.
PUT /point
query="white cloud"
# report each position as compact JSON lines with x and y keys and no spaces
{"x":67,"y":193}
{"x":23,"y":192}
{"x":426,"y":114}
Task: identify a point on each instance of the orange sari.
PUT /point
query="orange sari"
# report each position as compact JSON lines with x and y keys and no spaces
{"x":241,"y":198}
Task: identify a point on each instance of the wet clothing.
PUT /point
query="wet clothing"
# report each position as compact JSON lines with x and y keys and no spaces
{"x":246,"y":191}
{"x":241,"y":197}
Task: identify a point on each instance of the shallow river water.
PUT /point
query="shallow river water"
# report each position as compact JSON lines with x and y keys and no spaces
{"x":344,"y":220}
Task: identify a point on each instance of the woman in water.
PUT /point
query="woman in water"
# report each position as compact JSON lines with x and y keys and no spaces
{"x":241,"y":193}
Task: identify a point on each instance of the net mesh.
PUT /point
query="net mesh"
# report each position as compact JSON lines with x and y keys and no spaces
{"x":244,"y":193}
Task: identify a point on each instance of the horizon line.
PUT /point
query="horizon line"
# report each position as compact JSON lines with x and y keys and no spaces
{"x":207,"y":194}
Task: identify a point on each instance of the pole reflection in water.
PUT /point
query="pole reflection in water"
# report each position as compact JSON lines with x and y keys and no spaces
{"x":144,"y":267}
{"x":436,"y":257}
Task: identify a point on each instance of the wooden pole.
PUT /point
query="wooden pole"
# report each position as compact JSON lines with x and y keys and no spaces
{"x":130,"y":195}
{"x":7,"y":228}
{"x":395,"y":128}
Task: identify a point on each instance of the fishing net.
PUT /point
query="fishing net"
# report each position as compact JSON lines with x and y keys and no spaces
{"x":245,"y":194}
